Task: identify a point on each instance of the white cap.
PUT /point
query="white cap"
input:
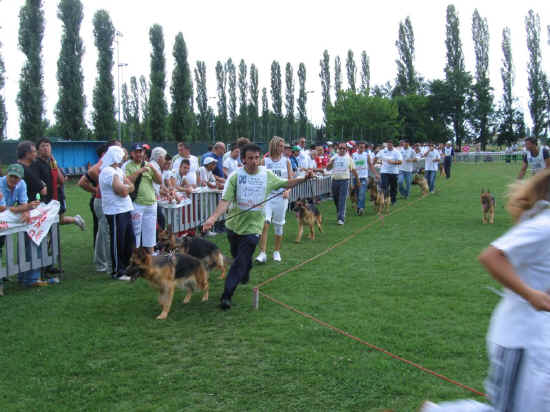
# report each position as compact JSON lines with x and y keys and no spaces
{"x":209,"y":160}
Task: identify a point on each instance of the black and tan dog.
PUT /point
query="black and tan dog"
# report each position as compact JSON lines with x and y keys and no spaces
{"x":307,"y":215}
{"x":166,"y":272}
{"x":487,"y":207}
{"x":382,"y":201}
{"x":208,"y":252}
{"x":421,"y":181}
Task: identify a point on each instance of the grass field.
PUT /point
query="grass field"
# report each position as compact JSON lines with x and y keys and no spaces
{"x":411,"y":286}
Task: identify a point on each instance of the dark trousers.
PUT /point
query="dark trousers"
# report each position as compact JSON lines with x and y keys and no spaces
{"x":242,"y":249}
{"x":340,"y":194}
{"x":161,"y":221}
{"x":447,"y":165}
{"x":389,"y":181}
{"x":123,"y":241}
{"x":94,"y":217}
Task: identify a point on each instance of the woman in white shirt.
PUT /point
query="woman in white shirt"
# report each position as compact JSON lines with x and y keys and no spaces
{"x":519,"y":332}
{"x":117,"y":205}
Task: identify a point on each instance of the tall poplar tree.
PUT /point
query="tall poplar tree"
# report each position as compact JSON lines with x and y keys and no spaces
{"x":135,"y":130}
{"x":126,"y":114}
{"x":536,"y":77}
{"x":337,"y":76}
{"x":144,"y":106}
{"x":365,"y":73}
{"x":511,"y":125}
{"x":325,"y":82}
{"x":230,"y":73}
{"x":3,"y":113}
{"x":482,"y":96}
{"x":182,"y":117}
{"x":458,"y":80}
{"x":276,"y":96}
{"x":30,"y":99}
{"x":352,"y":71}
{"x":221,"y":80}
{"x":69,"y":111}
{"x":243,"y":99}
{"x":157,"y":102}
{"x":254,"y":95}
{"x":265,"y":114}
{"x":103,"y":100}
{"x":289,"y":99}
{"x":202,"y":99}
{"x":302,"y":100}
{"x":407,"y":79}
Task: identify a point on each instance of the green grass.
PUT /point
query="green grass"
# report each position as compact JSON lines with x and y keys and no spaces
{"x":412,"y":286}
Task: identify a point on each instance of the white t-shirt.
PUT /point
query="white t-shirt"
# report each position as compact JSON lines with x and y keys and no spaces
{"x":112,"y":203}
{"x":385,"y":156}
{"x":361,"y":161}
{"x":190,"y":179}
{"x":432,"y":160}
{"x":515,"y":323}
{"x":230,"y":164}
{"x":156,"y":186}
{"x":407,"y":154}
{"x":166,"y":175}
{"x":206,"y":176}
{"x":193,"y":163}
{"x":341,"y":167}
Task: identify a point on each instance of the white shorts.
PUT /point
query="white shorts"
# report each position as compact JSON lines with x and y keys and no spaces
{"x":275,"y":210}
{"x":144,"y":221}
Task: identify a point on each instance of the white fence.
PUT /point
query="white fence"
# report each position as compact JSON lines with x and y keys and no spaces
{"x":193,"y":212}
{"x":14,"y":260}
{"x":477,"y":157}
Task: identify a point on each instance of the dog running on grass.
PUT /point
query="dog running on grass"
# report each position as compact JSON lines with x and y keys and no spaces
{"x":487,"y":207}
{"x":208,"y":252}
{"x":382,"y":201}
{"x":421,"y":181}
{"x":307,"y":215}
{"x":167,"y":272}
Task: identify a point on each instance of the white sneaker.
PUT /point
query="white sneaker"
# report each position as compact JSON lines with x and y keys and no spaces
{"x":340,"y":222}
{"x":262,"y":257}
{"x":79,"y":222}
{"x":429,"y":407}
{"x":124,"y":278}
{"x":276,"y":256}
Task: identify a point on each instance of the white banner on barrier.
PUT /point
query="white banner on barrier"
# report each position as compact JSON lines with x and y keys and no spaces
{"x":41,"y":218}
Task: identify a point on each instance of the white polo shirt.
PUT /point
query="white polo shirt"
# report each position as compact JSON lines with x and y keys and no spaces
{"x":385,"y":157}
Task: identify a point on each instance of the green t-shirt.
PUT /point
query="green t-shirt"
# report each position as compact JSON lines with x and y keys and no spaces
{"x":146,"y":193}
{"x":244,"y":190}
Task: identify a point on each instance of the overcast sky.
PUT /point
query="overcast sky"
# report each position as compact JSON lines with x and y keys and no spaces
{"x":288,"y":31}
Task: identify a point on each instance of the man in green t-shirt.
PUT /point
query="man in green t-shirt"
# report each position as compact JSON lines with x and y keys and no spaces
{"x":244,"y":190}
{"x":144,"y":215}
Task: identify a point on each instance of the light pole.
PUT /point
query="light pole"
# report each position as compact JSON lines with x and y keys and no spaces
{"x":212,"y":122}
{"x":311,"y":122}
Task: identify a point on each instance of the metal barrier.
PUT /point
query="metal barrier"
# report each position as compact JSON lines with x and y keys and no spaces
{"x":478,"y":157}
{"x":194,"y":212}
{"x":14,"y":244}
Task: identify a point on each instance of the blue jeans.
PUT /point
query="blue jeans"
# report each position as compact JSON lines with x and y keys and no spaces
{"x":30,"y":276}
{"x":242,"y":248}
{"x":430,"y":177}
{"x":339,"y":195}
{"x":404,"y":183}
{"x":362,"y":192}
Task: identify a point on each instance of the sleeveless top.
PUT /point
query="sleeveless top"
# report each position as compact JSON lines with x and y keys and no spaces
{"x":279,"y":168}
{"x":536,"y":162}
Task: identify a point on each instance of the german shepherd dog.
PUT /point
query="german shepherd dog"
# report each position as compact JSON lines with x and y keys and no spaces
{"x":487,"y":207}
{"x":382,"y":201}
{"x":307,"y":215}
{"x":421,"y":181}
{"x":208,"y":252}
{"x":167,"y":272}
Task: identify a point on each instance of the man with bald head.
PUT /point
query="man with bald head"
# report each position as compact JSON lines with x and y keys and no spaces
{"x":217,"y":154}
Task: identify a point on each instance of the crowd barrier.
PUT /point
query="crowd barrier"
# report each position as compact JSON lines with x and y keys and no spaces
{"x":193,"y":212}
{"x":14,"y":256}
{"x":477,"y":157}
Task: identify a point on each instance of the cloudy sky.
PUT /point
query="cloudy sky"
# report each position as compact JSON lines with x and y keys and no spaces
{"x":288,"y":31}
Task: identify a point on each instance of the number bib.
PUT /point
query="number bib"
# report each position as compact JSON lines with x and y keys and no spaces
{"x":251,"y":189}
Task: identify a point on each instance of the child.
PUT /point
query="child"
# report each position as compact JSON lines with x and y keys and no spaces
{"x":519,"y":334}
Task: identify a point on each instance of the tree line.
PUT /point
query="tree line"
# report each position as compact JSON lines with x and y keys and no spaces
{"x":460,"y":106}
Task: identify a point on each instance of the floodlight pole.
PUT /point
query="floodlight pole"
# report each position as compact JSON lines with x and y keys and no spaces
{"x":119,"y":65}
{"x":311,"y":122}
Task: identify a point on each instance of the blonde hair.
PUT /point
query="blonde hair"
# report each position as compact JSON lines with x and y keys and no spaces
{"x":523,"y":195}
{"x":273,"y":143}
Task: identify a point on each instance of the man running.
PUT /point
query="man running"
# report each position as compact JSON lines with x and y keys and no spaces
{"x":535,"y":157}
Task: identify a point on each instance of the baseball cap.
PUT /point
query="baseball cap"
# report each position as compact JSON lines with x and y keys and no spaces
{"x":209,"y":160}
{"x":136,"y":146}
{"x":296,"y":148}
{"x":146,"y":146}
{"x":329,"y":143}
{"x":16,"y":169}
